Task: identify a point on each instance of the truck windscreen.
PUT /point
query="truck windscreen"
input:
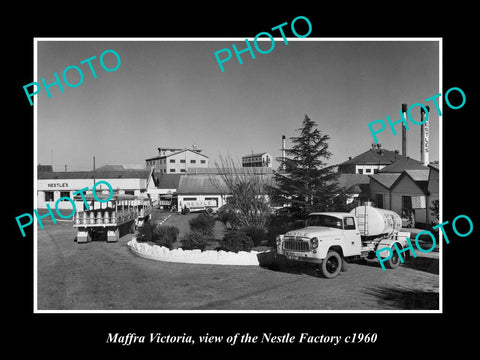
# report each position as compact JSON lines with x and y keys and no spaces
{"x":324,"y":220}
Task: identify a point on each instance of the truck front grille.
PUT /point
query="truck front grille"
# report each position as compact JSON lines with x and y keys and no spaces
{"x":296,"y":244}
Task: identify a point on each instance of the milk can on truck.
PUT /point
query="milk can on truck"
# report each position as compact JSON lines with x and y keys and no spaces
{"x":330,"y":239}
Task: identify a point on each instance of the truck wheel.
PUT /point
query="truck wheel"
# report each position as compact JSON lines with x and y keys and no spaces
{"x":331,"y":265}
{"x":394,"y":261}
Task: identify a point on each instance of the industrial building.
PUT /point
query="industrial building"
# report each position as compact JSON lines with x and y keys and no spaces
{"x":409,"y":192}
{"x":198,"y":187}
{"x":53,"y":185}
{"x":257,"y":160}
{"x":176,"y":161}
{"x":370,"y":161}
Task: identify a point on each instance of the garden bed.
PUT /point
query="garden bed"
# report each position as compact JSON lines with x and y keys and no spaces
{"x":161,"y":253}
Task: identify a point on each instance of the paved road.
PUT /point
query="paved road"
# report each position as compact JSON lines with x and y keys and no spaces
{"x":108,"y":276}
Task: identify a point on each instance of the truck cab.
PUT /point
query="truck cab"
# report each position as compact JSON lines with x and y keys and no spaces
{"x":325,"y":239}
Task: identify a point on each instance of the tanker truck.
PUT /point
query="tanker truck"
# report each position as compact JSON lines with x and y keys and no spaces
{"x":330,"y":239}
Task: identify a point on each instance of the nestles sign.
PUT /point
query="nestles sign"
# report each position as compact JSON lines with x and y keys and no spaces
{"x":57,"y":185}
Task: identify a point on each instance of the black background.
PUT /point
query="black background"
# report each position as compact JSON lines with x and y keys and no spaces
{"x":83,"y":334}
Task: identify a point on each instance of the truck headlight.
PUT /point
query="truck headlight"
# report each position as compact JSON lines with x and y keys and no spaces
{"x":314,"y":242}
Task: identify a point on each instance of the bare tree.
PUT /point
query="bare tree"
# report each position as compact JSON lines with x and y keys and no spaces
{"x":248,"y":189}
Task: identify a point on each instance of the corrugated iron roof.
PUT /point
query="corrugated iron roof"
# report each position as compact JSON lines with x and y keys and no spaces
{"x":238,"y":170}
{"x":254,"y":155}
{"x":128,"y":174}
{"x":385,"y":179}
{"x":349,"y":180}
{"x":418,"y":175}
{"x":374,"y":157}
{"x":167,"y":181}
{"x":402,"y":165}
{"x":435,"y":166}
{"x":44,"y":168}
{"x":201,"y":185}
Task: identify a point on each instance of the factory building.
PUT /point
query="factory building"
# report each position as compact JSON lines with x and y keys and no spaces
{"x":409,"y":192}
{"x":176,"y":161}
{"x":370,"y":161}
{"x":53,"y":185}
{"x":257,"y":160}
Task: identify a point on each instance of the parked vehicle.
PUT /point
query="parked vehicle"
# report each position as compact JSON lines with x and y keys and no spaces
{"x":329,"y":239}
{"x":122,"y":214}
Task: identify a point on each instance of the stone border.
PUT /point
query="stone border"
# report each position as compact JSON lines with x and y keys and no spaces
{"x":211,"y":257}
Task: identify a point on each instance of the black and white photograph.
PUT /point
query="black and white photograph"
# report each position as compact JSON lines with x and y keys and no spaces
{"x":259,"y":187}
{"x":298,"y":181}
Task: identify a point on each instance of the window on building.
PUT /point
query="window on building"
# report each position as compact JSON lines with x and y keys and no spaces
{"x":202,"y":161}
{"x":64,"y":194}
{"x":172,"y":170}
{"x":190,"y":199}
{"x":129,"y":192}
{"x":379,"y":201}
{"x":360,"y":171}
{"x":172,"y":161}
{"x":367,"y":171}
{"x":375,"y":171}
{"x":193,"y":161}
{"x":182,"y":161}
{"x":182,"y":170}
{"x":48,"y":195}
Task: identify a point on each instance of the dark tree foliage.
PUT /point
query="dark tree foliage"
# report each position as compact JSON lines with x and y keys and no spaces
{"x":307,"y":183}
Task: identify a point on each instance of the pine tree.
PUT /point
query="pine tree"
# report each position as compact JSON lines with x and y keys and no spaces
{"x":308,"y":183}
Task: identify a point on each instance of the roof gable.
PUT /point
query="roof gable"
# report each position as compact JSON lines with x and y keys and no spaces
{"x":418,"y":177}
{"x":386,"y":180}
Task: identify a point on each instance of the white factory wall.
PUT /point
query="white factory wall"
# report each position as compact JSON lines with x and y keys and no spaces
{"x":66,"y":187}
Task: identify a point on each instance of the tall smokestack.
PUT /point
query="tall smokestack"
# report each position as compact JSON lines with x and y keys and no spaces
{"x":424,"y":138}
{"x":283,"y":152}
{"x":404,"y":131}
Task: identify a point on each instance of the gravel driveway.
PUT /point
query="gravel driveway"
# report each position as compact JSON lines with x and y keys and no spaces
{"x":108,"y":276}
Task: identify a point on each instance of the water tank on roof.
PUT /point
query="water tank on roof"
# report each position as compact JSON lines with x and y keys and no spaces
{"x":374,"y":221}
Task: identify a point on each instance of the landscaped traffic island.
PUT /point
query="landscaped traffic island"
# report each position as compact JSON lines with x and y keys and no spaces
{"x":161,"y":253}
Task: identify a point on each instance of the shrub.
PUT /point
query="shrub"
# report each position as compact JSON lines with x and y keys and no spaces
{"x":194,"y":240}
{"x":236,"y":241}
{"x":203,"y":224}
{"x":226,"y":214}
{"x":145,"y":232}
{"x":165,"y":235}
{"x":256,"y":233}
{"x":279,"y":225}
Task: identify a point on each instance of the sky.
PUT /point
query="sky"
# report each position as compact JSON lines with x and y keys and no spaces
{"x":173,"y":94}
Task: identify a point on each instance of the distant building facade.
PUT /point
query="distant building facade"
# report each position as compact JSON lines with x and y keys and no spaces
{"x":408,"y":189}
{"x":176,"y":161}
{"x":257,"y":160}
{"x":54,"y":185}
{"x":369,"y":162}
